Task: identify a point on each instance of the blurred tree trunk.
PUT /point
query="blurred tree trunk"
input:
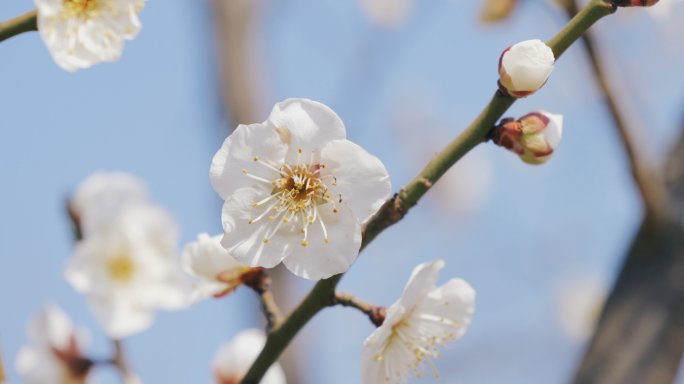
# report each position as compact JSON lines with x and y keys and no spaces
{"x":234,"y":20}
{"x":640,"y":334}
{"x":639,"y":338}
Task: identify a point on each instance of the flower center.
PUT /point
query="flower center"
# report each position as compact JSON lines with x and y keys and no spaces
{"x":413,"y":342}
{"x":297,"y":192}
{"x":81,"y":9}
{"x":120,"y":267}
{"x":90,"y":9}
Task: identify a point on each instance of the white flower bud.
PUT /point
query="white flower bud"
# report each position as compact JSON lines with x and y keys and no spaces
{"x":534,"y":137}
{"x":525,"y":67}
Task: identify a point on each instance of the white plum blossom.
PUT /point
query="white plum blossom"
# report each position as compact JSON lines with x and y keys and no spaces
{"x":297,"y":191}
{"x":217,"y":271}
{"x":525,"y":67}
{"x":100,"y":197}
{"x":424,"y":318}
{"x":81,"y":33}
{"x":234,"y":359}
{"x":55,"y":355}
{"x":130,"y":269}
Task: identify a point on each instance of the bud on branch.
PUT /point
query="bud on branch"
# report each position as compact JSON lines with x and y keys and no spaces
{"x":534,"y":137}
{"x":524,"y":68}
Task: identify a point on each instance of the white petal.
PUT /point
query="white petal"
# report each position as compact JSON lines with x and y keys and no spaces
{"x":100,"y":197}
{"x":311,"y":125}
{"x":320,"y":260}
{"x":421,"y":282}
{"x":234,"y":359}
{"x":119,"y":317}
{"x":52,"y":327}
{"x":206,"y":258}
{"x":245,"y":241}
{"x":39,"y":366}
{"x":362,"y":180}
{"x":454,"y":300}
{"x":238,"y":153}
{"x":373,"y":370}
{"x":554,"y":130}
{"x":529,"y":64}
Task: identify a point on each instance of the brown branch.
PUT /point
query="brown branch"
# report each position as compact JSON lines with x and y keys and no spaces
{"x":397,"y":207}
{"x":259,"y":280}
{"x":20,"y":24}
{"x":119,"y":361}
{"x":648,"y":179}
{"x":375,"y":314}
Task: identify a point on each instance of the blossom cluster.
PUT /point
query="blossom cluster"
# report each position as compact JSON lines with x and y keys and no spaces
{"x":295,"y":191}
{"x":126,"y":262}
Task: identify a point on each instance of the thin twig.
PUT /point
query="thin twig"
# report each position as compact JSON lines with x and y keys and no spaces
{"x":395,"y":208}
{"x":375,"y":314}
{"x":20,"y":24}
{"x":647,"y":177}
{"x":119,"y":360}
{"x":259,"y":280}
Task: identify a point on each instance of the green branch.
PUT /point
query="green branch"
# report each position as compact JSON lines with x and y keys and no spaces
{"x":394,"y":209}
{"x":20,"y":24}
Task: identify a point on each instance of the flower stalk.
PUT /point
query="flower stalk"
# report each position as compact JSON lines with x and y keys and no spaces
{"x":259,"y":280}
{"x":375,"y":314}
{"x":20,"y":24}
{"x":396,"y":207}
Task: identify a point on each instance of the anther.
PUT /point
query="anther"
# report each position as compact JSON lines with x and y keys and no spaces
{"x":300,"y":150}
{"x":285,"y":220}
{"x":327,"y":240}
{"x":265,"y":241}
{"x":303,"y":230}
{"x":273,"y":182}
{"x":335,"y":210}
{"x":244,"y":171}
{"x":271,"y":218}
{"x":256,"y":158}
{"x":251,"y":222}
{"x":304,"y":243}
{"x":323,"y":166}
{"x":255,"y":205}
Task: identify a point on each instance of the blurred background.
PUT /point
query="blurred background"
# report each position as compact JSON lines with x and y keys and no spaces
{"x":542,"y":245}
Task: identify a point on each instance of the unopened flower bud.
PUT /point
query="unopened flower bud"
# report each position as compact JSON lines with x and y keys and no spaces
{"x":534,"y":137}
{"x":524,"y":68}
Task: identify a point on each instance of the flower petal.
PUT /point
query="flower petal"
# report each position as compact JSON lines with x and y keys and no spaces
{"x":362,"y":180}
{"x":206,"y":258}
{"x":119,"y":317}
{"x":308,"y":125}
{"x":373,"y":371}
{"x":238,"y":153}
{"x":421,"y":282}
{"x":455,"y":300}
{"x":246,"y":241}
{"x":320,"y":260}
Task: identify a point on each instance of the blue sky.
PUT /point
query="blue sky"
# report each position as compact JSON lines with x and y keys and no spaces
{"x":523,"y":236}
